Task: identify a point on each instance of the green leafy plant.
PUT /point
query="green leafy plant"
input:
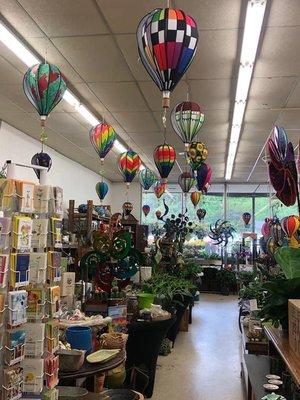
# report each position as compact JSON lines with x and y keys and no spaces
{"x":252,"y":290}
{"x":226,"y":279}
{"x":289,"y":260}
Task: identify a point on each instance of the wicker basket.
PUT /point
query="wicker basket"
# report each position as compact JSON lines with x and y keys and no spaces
{"x":113,"y":341}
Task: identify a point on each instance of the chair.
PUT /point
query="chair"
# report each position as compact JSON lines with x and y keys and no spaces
{"x":143,"y":344}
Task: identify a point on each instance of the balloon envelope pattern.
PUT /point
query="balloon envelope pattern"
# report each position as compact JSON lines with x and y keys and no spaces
{"x":246,"y":217}
{"x":159,"y":189}
{"x":102,"y":137}
{"x":101,"y":189}
{"x":195,"y":198}
{"x":186,"y":181}
{"x":146,"y":209}
{"x":167,"y":42}
{"x":147,"y":178}
{"x":129,"y":164}
{"x":164,"y":158}
{"x":204,"y":174}
{"x":187,"y":120}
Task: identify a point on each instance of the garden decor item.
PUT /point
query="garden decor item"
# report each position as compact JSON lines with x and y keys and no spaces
{"x":113,"y":340}
{"x":145,"y":300}
{"x":70,"y":360}
{"x":102,"y":355}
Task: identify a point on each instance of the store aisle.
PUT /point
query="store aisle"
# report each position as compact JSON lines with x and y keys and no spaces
{"x":205,"y":363}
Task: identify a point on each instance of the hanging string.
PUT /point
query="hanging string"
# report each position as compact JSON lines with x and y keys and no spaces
{"x":164,"y":121}
{"x":168,"y":3}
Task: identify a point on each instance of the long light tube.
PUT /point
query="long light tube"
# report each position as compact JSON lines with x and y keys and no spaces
{"x":252,"y":30}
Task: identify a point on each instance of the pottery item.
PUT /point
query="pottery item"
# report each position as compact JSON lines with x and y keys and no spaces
{"x":270,"y":376}
{"x":70,"y":360}
{"x":270,"y":387}
{"x":102,"y":355}
{"x":275,"y":382}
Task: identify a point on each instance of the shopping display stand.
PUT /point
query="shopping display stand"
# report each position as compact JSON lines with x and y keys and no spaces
{"x":30,"y":366}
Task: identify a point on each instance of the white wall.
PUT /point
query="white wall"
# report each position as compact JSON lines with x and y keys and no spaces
{"x":118,"y":197}
{"x":77,"y":181}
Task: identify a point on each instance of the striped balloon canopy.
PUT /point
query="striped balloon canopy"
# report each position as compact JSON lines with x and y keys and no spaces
{"x":204,"y":175}
{"x":147,"y":178}
{"x":102,"y":137}
{"x":146,"y":209}
{"x":195,"y":198}
{"x":187,"y":120}
{"x":159,"y":188}
{"x":164,"y":157}
{"x":186,"y":181}
{"x":129,"y":163}
{"x":290,"y":226}
{"x":167,"y":42}
{"x":101,"y":190}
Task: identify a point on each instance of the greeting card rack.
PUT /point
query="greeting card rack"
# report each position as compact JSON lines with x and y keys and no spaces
{"x":30,"y":254}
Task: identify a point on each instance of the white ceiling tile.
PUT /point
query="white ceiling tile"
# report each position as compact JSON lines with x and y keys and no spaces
{"x":211,"y":93}
{"x":284,"y":13}
{"x":289,"y":119}
{"x":119,"y":96}
{"x":294,"y":99}
{"x":65,"y":18}
{"x":16,"y":95}
{"x":95,"y":58}
{"x":260,"y":120}
{"x":8,"y":73}
{"x":136,"y":121}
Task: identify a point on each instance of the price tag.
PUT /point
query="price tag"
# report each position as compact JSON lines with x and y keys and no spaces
{"x":253,"y":305}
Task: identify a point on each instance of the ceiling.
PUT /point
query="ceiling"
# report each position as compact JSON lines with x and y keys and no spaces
{"x":93,"y":42}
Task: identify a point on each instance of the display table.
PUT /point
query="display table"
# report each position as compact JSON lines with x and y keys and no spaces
{"x":95,"y":370}
{"x":279,"y":343}
{"x":258,"y":367}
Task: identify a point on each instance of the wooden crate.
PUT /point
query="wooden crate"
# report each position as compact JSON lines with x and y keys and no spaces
{"x":294,"y":326}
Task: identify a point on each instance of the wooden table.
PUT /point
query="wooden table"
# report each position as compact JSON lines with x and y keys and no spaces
{"x":94,"y":370}
{"x":279,"y":343}
{"x":258,"y":367}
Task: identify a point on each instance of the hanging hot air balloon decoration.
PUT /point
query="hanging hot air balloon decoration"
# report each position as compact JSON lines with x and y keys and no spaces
{"x":159,"y":189}
{"x":246,"y":217}
{"x":290,"y":226}
{"x":195,"y":198}
{"x":146,"y":209}
{"x":187,"y":120}
{"x":42,"y":160}
{"x":129,"y":163}
{"x":102,"y":137}
{"x":127,"y":207}
{"x":101,"y":190}
{"x":147,"y":178}
{"x":196,"y":155}
{"x":44,"y":86}
{"x":201,"y":212}
{"x":167,"y":42}
{"x":164,"y":158}
{"x":186,"y":181}
{"x":266,"y":227}
{"x":204,"y":175}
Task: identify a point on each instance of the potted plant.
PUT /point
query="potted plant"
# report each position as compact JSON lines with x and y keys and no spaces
{"x":226,"y":279}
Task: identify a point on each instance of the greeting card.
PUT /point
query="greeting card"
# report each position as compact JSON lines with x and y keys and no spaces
{"x":58,"y":196}
{"x":17,"y":304}
{"x":53,"y":268}
{"x":25,"y":193}
{"x":2,"y":308}
{"x":39,"y":233}
{"x":5,"y":227}
{"x":54,"y":300}
{"x":33,"y":374}
{"x":15,"y":346}
{"x":12,"y":383}
{"x":34,"y":342}
{"x":36,"y":303}
{"x":37,"y":267}
{"x":19,"y":270}
{"x":4,"y":261}
{"x":56,"y":226}
{"x":7,"y":194}
{"x":41,"y":198}
{"x":68,"y":284}
{"x":22,"y":227}
{"x":52,"y":335}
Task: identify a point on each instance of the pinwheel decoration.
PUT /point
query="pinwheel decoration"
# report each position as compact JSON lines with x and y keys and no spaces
{"x":147,"y":178}
{"x":221,"y":232}
{"x":195,"y":198}
{"x":196,"y":155}
{"x":102,"y":137}
{"x":204,"y":175}
{"x":290,"y":226}
{"x":164,"y":158}
{"x":101,"y":190}
{"x":42,"y":160}
{"x":186,"y":181}
{"x":127,"y":207}
{"x":201,"y":212}
{"x":146,"y":209}
{"x":187,"y":120}
{"x":246,"y":217}
{"x":129,"y":163}
{"x":282,"y":167}
{"x":167,"y":42}
{"x":44,"y":86}
{"x":159,"y":189}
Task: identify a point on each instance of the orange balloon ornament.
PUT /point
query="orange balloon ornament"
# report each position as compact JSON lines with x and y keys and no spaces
{"x":195,"y":198}
{"x":290,"y":226}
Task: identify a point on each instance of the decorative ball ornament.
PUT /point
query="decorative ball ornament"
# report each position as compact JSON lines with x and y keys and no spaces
{"x":201,"y":212}
{"x":164,"y":157}
{"x":127,"y":207}
{"x":101,"y":190}
{"x":197,"y":154}
{"x":186,"y":181}
{"x":42,"y":160}
{"x":167,"y":43}
{"x":195,"y":198}
{"x":44,"y":86}
{"x":102,"y":138}
{"x":187,"y":120}
{"x":129,"y":163}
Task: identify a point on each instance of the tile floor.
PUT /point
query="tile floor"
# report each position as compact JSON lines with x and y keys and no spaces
{"x":205,"y":363}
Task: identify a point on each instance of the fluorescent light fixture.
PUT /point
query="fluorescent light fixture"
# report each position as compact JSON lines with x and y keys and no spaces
{"x":253,"y":24}
{"x":71,"y":99}
{"x":17,"y":47}
{"x":87,"y":115}
{"x":119,"y":147}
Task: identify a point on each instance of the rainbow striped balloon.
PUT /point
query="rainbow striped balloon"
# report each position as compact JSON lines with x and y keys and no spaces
{"x":129,"y":164}
{"x":164,"y":158}
{"x":102,"y":137}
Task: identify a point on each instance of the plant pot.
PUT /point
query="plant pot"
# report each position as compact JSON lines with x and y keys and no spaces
{"x":145,"y":300}
{"x":224,"y":290}
{"x":79,"y":337}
